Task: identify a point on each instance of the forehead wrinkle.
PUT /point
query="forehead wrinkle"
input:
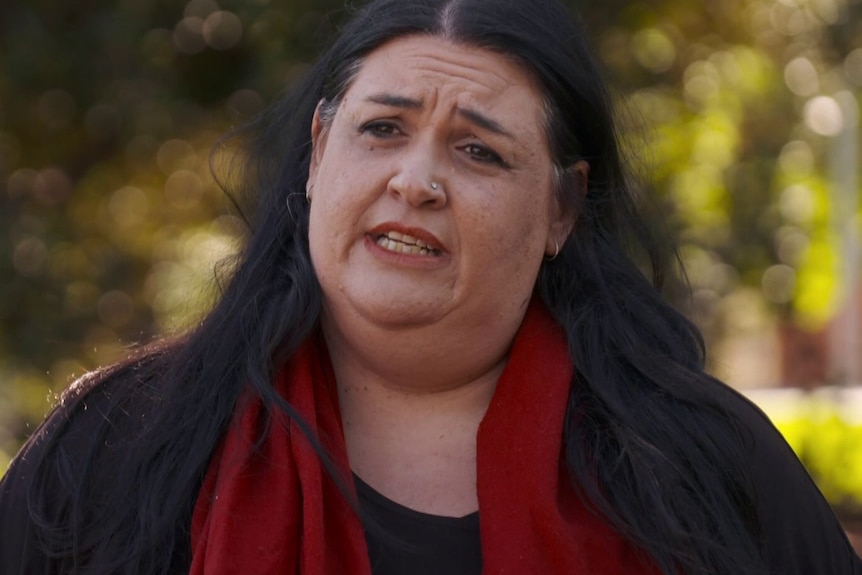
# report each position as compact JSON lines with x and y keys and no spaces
{"x":450,"y":75}
{"x":469,"y":72}
{"x":465,"y":62}
{"x":489,"y":81}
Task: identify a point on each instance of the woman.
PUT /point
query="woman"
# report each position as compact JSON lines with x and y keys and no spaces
{"x":434,"y":356}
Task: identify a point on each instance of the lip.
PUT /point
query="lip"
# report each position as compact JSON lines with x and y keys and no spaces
{"x":418,"y":233}
{"x":407,"y":260}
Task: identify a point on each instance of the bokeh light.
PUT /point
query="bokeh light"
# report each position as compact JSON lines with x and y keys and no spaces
{"x":801,"y":77}
{"x":823,"y":116}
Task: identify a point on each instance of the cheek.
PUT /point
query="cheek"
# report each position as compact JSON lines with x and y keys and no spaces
{"x":528,"y":216}
{"x":328,"y":222}
{"x":337,"y":202}
{"x":514,"y":232}
{"x":317,"y":243}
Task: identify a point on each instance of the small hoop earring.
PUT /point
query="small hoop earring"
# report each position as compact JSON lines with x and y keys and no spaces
{"x":308,"y":193}
{"x":556,"y":252}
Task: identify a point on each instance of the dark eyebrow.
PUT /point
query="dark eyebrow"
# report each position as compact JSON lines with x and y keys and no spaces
{"x":484,"y":122}
{"x":473,"y":116}
{"x":394,"y":101}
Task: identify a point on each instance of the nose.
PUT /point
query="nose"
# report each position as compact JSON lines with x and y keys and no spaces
{"x":415,"y":180}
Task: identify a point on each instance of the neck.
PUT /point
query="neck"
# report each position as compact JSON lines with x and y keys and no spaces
{"x":411,"y":402}
{"x":430,"y":358}
{"x":389,"y":374}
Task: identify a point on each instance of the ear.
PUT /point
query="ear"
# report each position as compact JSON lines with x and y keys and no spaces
{"x":319,"y":131}
{"x":566,"y":205}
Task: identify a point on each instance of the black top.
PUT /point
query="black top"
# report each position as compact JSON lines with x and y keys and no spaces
{"x":801,"y":536}
{"x":401,"y":540}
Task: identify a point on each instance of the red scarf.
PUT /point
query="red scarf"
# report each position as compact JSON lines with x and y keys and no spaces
{"x":276,"y":511}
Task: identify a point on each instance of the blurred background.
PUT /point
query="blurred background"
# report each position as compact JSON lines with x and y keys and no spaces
{"x":741,"y":116}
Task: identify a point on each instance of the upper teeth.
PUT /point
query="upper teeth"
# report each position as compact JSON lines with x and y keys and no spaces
{"x":404,"y":243}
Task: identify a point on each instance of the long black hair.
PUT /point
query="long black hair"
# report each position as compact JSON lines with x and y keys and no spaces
{"x":648,"y":443}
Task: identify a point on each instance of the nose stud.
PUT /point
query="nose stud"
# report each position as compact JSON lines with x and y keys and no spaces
{"x":435,"y":186}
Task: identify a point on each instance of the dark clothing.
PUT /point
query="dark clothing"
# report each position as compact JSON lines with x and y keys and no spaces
{"x":801,"y":535}
{"x":401,"y":540}
{"x":79,"y":423}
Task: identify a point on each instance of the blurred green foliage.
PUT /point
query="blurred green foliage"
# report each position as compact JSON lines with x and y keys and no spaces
{"x":112,"y":223}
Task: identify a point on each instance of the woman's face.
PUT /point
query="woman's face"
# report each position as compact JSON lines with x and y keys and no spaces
{"x":432,"y":188}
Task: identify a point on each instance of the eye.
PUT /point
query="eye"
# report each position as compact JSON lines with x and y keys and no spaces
{"x":483,"y":154}
{"x":380,"y":129}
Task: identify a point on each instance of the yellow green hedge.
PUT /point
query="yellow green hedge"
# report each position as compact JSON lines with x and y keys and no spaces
{"x":824,"y":428}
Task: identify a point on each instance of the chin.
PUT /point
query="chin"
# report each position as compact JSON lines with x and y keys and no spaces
{"x":388,"y":306}
{"x":392,"y":312}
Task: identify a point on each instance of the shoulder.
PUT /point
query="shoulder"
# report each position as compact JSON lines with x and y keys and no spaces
{"x":51,"y":471}
{"x":800,"y":532}
{"x":93,"y":413}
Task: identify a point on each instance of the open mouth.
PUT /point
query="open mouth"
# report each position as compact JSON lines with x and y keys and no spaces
{"x":405,"y":244}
